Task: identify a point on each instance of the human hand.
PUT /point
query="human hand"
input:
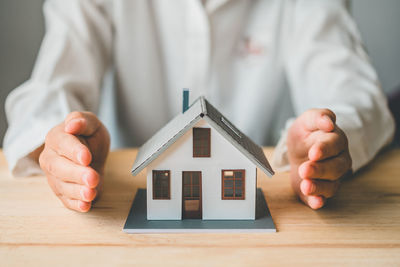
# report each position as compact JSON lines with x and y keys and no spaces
{"x":73,"y":159}
{"x":319,"y":156}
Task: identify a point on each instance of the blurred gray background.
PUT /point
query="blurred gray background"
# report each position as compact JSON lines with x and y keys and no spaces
{"x":22,"y":29}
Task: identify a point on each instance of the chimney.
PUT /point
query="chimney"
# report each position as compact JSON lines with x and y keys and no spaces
{"x":185,"y":98}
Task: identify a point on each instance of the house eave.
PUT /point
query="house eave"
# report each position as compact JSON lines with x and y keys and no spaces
{"x":165,"y":146}
{"x":254,"y":160}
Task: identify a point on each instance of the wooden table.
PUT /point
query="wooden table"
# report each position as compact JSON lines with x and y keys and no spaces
{"x":359,"y":226}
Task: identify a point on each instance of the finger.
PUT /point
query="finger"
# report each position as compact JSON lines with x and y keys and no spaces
{"x":328,"y":145}
{"x":69,"y":146}
{"x":329,"y":169}
{"x":66,"y":170}
{"x":319,"y":188}
{"x":319,"y":119}
{"x":75,"y":191}
{"x":81,"y":123}
{"x":314,"y":202}
{"x":75,"y":204}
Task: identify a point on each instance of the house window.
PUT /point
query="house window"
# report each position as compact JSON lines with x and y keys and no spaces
{"x":233,"y":184}
{"x":201,"y":142}
{"x":161,"y":184}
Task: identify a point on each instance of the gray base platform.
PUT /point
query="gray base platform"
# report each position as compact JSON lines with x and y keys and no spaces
{"x":137,"y":221}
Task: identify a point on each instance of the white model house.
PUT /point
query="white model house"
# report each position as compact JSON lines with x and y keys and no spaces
{"x":200,"y":166}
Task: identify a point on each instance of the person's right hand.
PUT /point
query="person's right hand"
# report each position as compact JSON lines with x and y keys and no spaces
{"x":73,"y":159}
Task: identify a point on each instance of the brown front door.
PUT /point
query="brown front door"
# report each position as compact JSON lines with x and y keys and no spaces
{"x":191,"y":195}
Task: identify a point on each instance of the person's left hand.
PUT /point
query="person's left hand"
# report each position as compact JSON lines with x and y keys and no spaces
{"x":319,"y":156}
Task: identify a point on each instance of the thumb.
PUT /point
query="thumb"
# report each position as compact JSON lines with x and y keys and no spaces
{"x":81,"y":123}
{"x":319,"y":119}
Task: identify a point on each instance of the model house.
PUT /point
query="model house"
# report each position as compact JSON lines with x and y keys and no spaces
{"x":200,"y":166}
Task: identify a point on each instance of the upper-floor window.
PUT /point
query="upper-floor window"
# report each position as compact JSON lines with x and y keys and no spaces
{"x":201,"y":142}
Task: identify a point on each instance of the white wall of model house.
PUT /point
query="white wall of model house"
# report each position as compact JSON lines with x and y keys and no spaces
{"x":179,"y":157}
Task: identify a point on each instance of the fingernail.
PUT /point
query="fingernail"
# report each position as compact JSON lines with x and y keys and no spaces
{"x":328,"y":120}
{"x":83,"y":194}
{"x":303,"y":171}
{"x":80,"y":156}
{"x":311,"y":170}
{"x":315,"y":153}
{"x":315,"y":202}
{"x":69,"y":125}
{"x":312,"y":188}
{"x":85,"y":179}
{"x":326,"y":117}
{"x":304,"y":187}
{"x":84,"y":206}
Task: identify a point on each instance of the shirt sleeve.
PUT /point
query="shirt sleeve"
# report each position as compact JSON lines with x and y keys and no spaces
{"x":327,"y":67}
{"x":73,"y":58}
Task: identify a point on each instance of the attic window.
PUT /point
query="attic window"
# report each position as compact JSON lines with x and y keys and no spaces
{"x":233,"y":184}
{"x":201,"y":142}
{"x":231,"y":127}
{"x":161,"y":185}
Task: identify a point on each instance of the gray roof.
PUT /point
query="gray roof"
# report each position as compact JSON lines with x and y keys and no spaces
{"x":200,"y":109}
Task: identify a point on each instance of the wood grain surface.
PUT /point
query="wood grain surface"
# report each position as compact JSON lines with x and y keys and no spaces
{"x":360,"y":226}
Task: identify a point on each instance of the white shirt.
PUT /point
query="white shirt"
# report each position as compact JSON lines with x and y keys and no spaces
{"x":259,"y":62}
